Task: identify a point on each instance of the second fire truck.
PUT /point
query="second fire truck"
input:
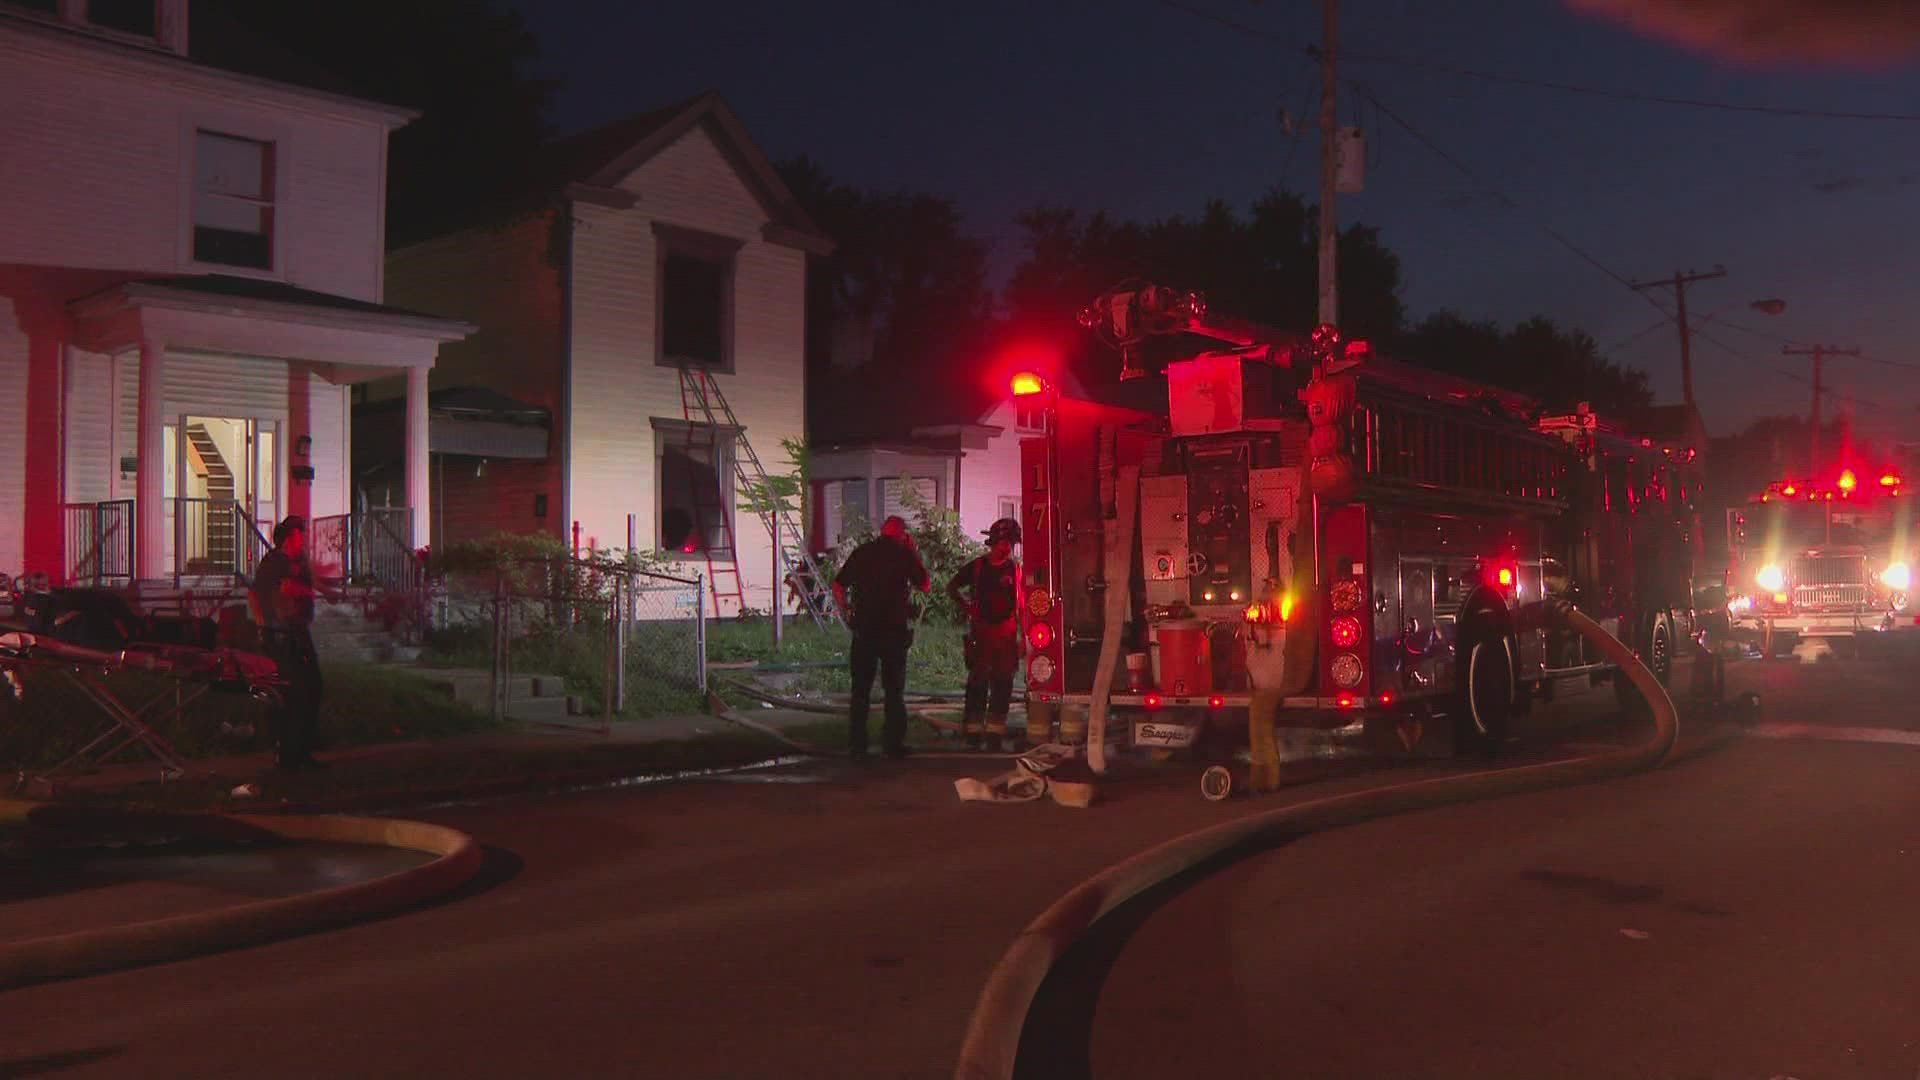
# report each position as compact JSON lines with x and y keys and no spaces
{"x":1365,"y":543}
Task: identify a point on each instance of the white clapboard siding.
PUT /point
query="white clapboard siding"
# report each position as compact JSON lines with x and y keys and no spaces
{"x":99,"y":166}
{"x":617,"y":386}
{"x":91,"y":456}
{"x":13,"y":440}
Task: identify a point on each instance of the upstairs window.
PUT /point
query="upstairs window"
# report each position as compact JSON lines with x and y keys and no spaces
{"x":138,"y":17}
{"x":1030,"y":418}
{"x":233,"y":201}
{"x":695,"y":303}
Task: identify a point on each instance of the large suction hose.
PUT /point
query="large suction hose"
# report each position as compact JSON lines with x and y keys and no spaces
{"x":993,"y":1032}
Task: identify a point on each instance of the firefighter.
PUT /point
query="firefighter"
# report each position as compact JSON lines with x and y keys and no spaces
{"x":988,"y":590}
{"x":881,"y":574}
{"x":282,"y":602}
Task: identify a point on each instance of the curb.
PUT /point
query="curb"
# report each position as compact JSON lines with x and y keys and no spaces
{"x":991,"y":1045}
{"x":457,"y":859}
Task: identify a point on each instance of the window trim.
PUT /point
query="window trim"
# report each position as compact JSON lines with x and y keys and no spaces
{"x":726,"y":437}
{"x":706,"y":247}
{"x":279,"y":145}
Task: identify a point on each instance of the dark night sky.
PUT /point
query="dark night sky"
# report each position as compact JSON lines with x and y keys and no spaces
{"x":1146,"y":110}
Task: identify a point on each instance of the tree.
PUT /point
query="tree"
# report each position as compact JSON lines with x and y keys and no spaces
{"x":1263,"y":266}
{"x":1537,"y":357}
{"x":901,"y":309}
{"x":463,"y":63}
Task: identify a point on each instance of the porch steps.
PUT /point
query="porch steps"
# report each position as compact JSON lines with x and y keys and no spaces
{"x":530,"y":698}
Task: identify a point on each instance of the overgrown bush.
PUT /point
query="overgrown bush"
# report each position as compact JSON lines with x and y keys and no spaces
{"x":944,"y":547}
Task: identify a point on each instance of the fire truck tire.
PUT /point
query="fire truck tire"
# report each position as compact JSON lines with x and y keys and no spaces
{"x":1486,"y":695}
{"x":1653,"y":644}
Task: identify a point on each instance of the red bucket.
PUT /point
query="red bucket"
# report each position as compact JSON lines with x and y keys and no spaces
{"x":1186,"y":658}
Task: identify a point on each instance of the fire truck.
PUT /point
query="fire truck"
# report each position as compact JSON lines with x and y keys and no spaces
{"x":1366,"y":542}
{"x":1809,"y":560}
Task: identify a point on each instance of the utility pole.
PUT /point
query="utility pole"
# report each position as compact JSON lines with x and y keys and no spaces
{"x":1329,"y":168}
{"x":1679,"y":281}
{"x":1819,"y":354}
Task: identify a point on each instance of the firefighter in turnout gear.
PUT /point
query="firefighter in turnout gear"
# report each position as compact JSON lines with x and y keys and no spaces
{"x":988,"y":590}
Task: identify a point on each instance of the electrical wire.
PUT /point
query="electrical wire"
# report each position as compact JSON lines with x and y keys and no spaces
{"x":1615,"y":93}
{"x":1628,"y":95}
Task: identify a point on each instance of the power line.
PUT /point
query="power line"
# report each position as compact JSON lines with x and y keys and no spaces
{"x":1616,"y":93}
{"x":1634,"y":95}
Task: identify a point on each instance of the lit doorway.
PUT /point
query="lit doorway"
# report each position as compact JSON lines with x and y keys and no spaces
{"x":222,"y":492}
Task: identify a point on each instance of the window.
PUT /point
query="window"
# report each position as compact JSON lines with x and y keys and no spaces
{"x":126,"y":16}
{"x":1029,"y":418}
{"x":233,"y":201}
{"x":894,"y":495}
{"x":694,"y":472}
{"x":695,"y":298}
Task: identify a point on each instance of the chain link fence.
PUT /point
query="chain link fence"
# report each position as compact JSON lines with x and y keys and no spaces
{"x":576,"y":641}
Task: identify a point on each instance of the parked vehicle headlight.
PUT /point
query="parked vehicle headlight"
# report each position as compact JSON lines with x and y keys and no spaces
{"x":1739,"y":604}
{"x":1771,"y":578}
{"x":1898,"y":577}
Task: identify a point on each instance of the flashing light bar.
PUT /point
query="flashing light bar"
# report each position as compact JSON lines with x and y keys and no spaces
{"x":1027,"y":384}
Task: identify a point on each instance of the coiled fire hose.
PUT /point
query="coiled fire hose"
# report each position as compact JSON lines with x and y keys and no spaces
{"x":992,"y":1041}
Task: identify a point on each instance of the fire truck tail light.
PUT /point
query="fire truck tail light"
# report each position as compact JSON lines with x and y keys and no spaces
{"x":1040,"y":635}
{"x":1216,"y":702}
{"x":1898,"y":577}
{"x":1347,"y":671}
{"x":1151,"y":701}
{"x":1040,"y":670}
{"x":1039,"y":603}
{"x":1346,"y":631}
{"x":1505,"y":576}
{"x":1771,"y":578}
{"x":1344,"y":701}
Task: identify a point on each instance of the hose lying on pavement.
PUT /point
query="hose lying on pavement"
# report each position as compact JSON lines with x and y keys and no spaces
{"x":456,"y":859}
{"x":992,"y":1039}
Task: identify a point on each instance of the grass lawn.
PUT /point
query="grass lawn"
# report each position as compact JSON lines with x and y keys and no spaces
{"x":363,"y":704}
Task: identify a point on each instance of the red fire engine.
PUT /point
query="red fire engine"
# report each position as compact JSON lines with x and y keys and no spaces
{"x":1824,"y":560}
{"x":1367,"y":542}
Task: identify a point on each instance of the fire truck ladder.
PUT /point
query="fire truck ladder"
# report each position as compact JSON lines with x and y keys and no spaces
{"x":703,"y":403}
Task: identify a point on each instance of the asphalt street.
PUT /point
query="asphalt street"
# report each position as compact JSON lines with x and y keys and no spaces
{"x":838,"y":921}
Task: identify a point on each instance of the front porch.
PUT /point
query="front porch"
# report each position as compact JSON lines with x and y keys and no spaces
{"x":203,"y":410}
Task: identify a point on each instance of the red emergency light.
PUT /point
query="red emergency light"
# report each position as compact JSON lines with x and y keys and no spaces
{"x":1027,"y":384}
{"x":1151,"y":701}
{"x":1847,"y":480}
{"x":1888,"y":480}
{"x":1216,"y":701}
{"x":1040,"y":635}
{"x":1788,"y":490}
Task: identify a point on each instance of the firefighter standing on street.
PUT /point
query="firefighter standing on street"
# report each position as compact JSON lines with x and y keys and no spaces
{"x":988,"y":590}
{"x":881,"y":573}
{"x":282,"y":602}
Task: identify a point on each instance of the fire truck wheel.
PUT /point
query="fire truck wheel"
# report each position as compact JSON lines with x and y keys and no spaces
{"x":1654,"y":646}
{"x":1486,"y":695}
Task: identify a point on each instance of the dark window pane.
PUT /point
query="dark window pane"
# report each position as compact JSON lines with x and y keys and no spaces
{"x":129,"y":16}
{"x":693,"y":312}
{"x":51,"y":7}
{"x":230,"y":248}
{"x":693,"y":495}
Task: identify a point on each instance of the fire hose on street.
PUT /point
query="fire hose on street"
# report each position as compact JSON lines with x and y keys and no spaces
{"x":990,"y":1048}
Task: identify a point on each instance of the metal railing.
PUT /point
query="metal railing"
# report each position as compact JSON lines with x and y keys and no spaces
{"x":215,"y":538}
{"x":370,"y":547}
{"x":99,"y":542}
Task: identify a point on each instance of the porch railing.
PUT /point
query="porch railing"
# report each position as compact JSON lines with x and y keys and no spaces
{"x":215,"y":538}
{"x":370,"y":547}
{"x":99,"y":542}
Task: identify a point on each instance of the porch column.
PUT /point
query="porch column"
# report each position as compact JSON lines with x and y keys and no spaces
{"x":150,"y":473}
{"x":419,"y":490}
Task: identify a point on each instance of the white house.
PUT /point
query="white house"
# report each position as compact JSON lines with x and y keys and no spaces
{"x":190,"y":280}
{"x":962,"y":456}
{"x":664,"y":243}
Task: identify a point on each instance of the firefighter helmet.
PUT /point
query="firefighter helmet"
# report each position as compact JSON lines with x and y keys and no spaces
{"x":1005,"y":529}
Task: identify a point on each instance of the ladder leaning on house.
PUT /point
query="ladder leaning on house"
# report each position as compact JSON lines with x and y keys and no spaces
{"x":702,"y":403}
